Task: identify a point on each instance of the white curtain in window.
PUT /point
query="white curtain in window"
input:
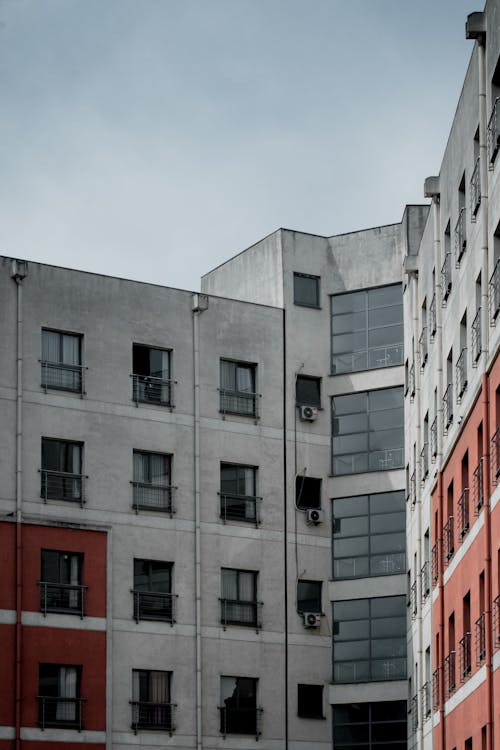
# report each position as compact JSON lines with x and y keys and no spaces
{"x":139,"y":467}
{"x":73,"y":579}
{"x":76,"y":469}
{"x":70,"y":349}
{"x":66,"y":710}
{"x":248,"y":474}
{"x":158,"y":469}
{"x":50,"y":346}
{"x":227,"y":376}
{"x":244,"y":380}
{"x":246,"y":587}
{"x":229,"y":584}
{"x":159,"y":687}
{"x":136,"y":685}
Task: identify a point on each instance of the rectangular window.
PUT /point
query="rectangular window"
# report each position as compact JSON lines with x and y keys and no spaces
{"x":61,"y":472}
{"x":59,"y":701}
{"x":368,"y":433}
{"x":238,"y":500}
{"x":370,"y":726}
{"x":151,"y":702}
{"x":309,"y":596}
{"x":307,"y":492}
{"x":305,"y":290}
{"x":369,"y":535}
{"x":153,"y":598}
{"x":369,"y":639}
{"x":151,"y":378}
{"x":239,"y":597}
{"x":152,"y":482}
{"x":237,"y":391}
{"x":367,"y":329}
{"x":308,"y":391}
{"x":61,"y":587}
{"x":238,"y":706}
{"x":310,"y":701}
{"x":62,"y":361}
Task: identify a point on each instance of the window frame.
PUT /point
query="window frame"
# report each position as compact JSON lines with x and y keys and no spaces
{"x":301,"y":482}
{"x":75,"y":383}
{"x":149,"y":495}
{"x":252,"y":729}
{"x":152,"y":389}
{"x":301,"y":711}
{"x":60,"y":478}
{"x":233,"y":400}
{"x":318,"y":607}
{"x":67,"y":597}
{"x":317,"y":279}
{"x":305,"y":401}
{"x":248,"y":503}
{"x":55,"y":700}
{"x":371,"y":742}
{"x":161,"y":711}
{"x":252,"y":605}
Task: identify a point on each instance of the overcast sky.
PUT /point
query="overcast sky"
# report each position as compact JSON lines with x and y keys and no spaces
{"x":154,"y":139}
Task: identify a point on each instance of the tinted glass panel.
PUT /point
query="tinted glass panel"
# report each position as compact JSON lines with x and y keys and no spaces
{"x":371,"y":726}
{"x":309,"y":596}
{"x":306,"y":290}
{"x":308,"y":390}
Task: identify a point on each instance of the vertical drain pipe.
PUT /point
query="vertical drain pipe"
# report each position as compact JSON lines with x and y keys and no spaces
{"x":487,"y":561}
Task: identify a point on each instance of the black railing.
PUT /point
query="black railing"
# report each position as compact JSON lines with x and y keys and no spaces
{"x":495,"y":456}
{"x":411,"y":381}
{"x":238,"y":612}
{"x":426,"y":699}
{"x":465,"y":656}
{"x":425,"y":582}
{"x":412,"y":489}
{"x":147,"y":389}
{"x":148,"y":715}
{"x":414,"y":713}
{"x":413,"y":599}
{"x":235,"y":507}
{"x":448,"y":406}
{"x":463,"y":513}
{"x":494,"y":293}
{"x":493,"y":133}
{"x":478,"y":487}
{"x":460,"y":236}
{"x":62,"y":597}
{"x":476,"y":341}
{"x":424,"y":461}
{"x":475,"y":190}
{"x":433,"y":438}
{"x":238,"y":402}
{"x":435,"y":564}
{"x":153,"y":605}
{"x":60,"y":712}
{"x":481,"y":638}
{"x":424,"y":351}
{"x":240,"y":720}
{"x":450,"y":679}
{"x":448,"y":539}
{"x":436,"y":680}
{"x":59,"y":377}
{"x":496,"y":622}
{"x":446,"y":277}
{"x":461,"y":373}
{"x":432,"y":317}
{"x":156,"y":497}
{"x":62,"y":485}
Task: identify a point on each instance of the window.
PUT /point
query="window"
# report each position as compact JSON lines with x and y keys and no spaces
{"x":61,"y":470}
{"x":369,"y":535}
{"x":61,"y":587}
{"x":151,"y":380}
{"x":310,"y":701}
{"x":237,"y":391}
{"x":307,"y":492}
{"x":308,"y":391}
{"x":59,"y":701}
{"x":367,"y":329}
{"x":151,"y":702}
{"x":238,"y":706}
{"x":62,"y":361}
{"x":152,"y":482}
{"x":239,"y":597}
{"x":369,"y":639}
{"x":238,"y":501}
{"x":305,"y":290}
{"x":368,"y":431}
{"x":153,"y":598}
{"x":371,"y":726}
{"x":493,"y":133}
{"x":309,"y":596}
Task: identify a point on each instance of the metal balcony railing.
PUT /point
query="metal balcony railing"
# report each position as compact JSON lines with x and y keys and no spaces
{"x":493,"y":133}
{"x":238,"y":612}
{"x":414,"y":713}
{"x":240,"y":720}
{"x":59,"y":377}
{"x":436,"y":679}
{"x":496,"y":623}
{"x":448,"y":406}
{"x":450,"y":680}
{"x":432,"y":317}
{"x":476,"y":341}
{"x":446,"y":277}
{"x":148,"y":715}
{"x":435,"y":564}
{"x":62,"y":597}
{"x":424,"y":351}
{"x":465,"y":656}
{"x":425,"y":581}
{"x":475,"y":190}
{"x":147,"y":389}
{"x":413,"y":600}
{"x":60,"y":712}
{"x":411,"y":381}
{"x":463,"y":513}
{"x":424,"y":461}
{"x":478,"y":487}
{"x":235,"y":507}
{"x":460,"y":236}
{"x":156,"y":497}
{"x":494,"y":293}
{"x":481,"y":638}
{"x":154,"y":605}
{"x":433,"y":438}
{"x":448,"y":539}
{"x":412,"y":489}
{"x":426,"y":699}
{"x":461,"y":373}
{"x":239,"y":402}
{"x":495,"y":456}
{"x":62,"y":485}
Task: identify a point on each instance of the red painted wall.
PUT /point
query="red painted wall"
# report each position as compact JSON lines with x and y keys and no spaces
{"x":7,"y":565}
{"x":7,"y":667}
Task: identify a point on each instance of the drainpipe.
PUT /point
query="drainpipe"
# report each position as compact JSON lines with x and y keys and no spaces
{"x":200,"y":304}
{"x":285,"y":522}
{"x":440,"y":655}
{"x":487,"y":562}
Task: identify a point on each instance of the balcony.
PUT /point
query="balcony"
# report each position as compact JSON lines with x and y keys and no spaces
{"x":425,"y":581}
{"x":153,"y":605}
{"x":414,"y":713}
{"x":411,"y":381}
{"x":436,"y":677}
{"x":478,"y":487}
{"x":235,"y":507}
{"x":481,"y":639}
{"x":476,"y":341}
{"x":432,"y":317}
{"x":155,"y":497}
{"x":424,"y":351}
{"x":448,"y":406}
{"x":156,"y":716}
{"x":426,"y":699}
{"x":495,"y":456}
{"x":461,"y":373}
{"x":463,"y":513}
{"x":238,"y":402}
{"x":435,"y":564}
{"x":460,"y":236}
{"x":465,"y":656}
{"x":238,"y":612}
{"x":62,"y":485}
{"x":493,"y":133}
{"x":449,"y":674}
{"x":413,"y":600}
{"x":475,"y":190}
{"x":494,"y":293}
{"x":240,"y":720}
{"x":448,"y":539}
{"x":62,"y":597}
{"x":65,"y":713}
{"x":446,"y":277}
{"x":412,"y":489}
{"x":424,"y":461}
{"x":496,"y":623}
{"x":434,"y":441}
{"x":59,"y":377}
{"x":147,"y":389}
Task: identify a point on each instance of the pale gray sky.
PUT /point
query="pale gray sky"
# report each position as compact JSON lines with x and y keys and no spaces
{"x":153,"y":139}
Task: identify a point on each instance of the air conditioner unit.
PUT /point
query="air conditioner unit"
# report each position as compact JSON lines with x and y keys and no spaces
{"x":308,"y":413}
{"x":315,"y":516}
{"x":312,"y":619}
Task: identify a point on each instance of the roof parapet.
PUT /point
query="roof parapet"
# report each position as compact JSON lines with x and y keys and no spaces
{"x":431,"y":187}
{"x":475,"y":26}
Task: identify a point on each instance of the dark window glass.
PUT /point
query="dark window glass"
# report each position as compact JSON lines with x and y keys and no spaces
{"x":369,"y":639}
{"x":369,"y":535}
{"x":307,"y":492}
{"x":309,"y":596}
{"x":237,"y":391}
{"x":308,"y":390}
{"x":238,"y":501}
{"x":151,"y":699}
{"x":152,"y":485}
{"x":61,"y":361}
{"x":306,"y":290}
{"x":367,"y":329}
{"x":368,"y":431}
{"x":60,"y":582}
{"x":151,"y":375}
{"x":238,"y":705}
{"x":61,"y":473}
{"x":59,"y":701}
{"x":239,"y":597}
{"x":310,"y":701}
{"x":152,"y":593}
{"x":371,"y":726}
